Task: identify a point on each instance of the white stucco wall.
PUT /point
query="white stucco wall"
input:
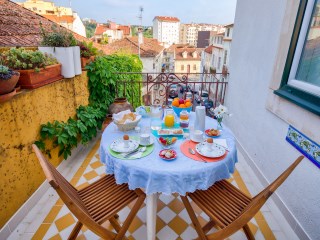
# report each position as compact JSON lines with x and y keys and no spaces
{"x":261,"y":38}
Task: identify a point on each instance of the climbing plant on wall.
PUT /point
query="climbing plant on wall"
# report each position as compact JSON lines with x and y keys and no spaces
{"x":105,"y":80}
{"x":103,"y":84}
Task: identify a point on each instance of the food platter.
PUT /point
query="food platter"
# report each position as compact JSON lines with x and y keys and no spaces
{"x":212,"y":133}
{"x":170,"y":132}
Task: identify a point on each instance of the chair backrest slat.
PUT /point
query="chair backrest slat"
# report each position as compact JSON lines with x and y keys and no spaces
{"x":254,"y":206}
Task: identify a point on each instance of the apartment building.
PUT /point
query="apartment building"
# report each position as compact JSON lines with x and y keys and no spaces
{"x":187,"y":59}
{"x":166,"y":30}
{"x":189,"y":32}
{"x":64,"y":16}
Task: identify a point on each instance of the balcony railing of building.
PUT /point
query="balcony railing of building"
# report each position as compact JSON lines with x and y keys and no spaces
{"x":161,"y":88}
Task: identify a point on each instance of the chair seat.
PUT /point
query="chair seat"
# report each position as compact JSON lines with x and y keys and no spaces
{"x":222,"y":202}
{"x":104,"y":198}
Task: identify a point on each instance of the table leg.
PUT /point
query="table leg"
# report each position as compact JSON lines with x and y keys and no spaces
{"x":151,"y":203}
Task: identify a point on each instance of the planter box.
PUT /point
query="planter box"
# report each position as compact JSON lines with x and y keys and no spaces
{"x":65,"y":56}
{"x":77,"y":61}
{"x":30,"y":79}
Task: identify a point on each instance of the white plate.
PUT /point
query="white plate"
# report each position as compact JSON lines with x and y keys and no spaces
{"x":150,"y":143}
{"x":216,"y":151}
{"x":118,"y":146}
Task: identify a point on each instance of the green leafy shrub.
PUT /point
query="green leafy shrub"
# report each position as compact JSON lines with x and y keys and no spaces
{"x":57,"y":37}
{"x":66,"y":135}
{"x":104,"y":80}
{"x":20,"y":58}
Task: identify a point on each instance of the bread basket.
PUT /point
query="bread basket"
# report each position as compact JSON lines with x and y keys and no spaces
{"x":128,"y":125}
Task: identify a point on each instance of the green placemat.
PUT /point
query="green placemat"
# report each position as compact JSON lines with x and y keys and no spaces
{"x":148,"y":151}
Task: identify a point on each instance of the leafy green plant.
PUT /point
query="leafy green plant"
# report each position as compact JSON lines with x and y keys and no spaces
{"x":66,"y":135}
{"x":87,"y":49}
{"x":20,"y":58}
{"x":105,"y":80}
{"x":57,"y":37}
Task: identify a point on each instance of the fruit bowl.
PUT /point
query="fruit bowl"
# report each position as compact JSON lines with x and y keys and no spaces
{"x":167,"y":154}
{"x":167,"y":142}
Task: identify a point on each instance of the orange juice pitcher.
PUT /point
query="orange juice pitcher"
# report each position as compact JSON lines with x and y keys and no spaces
{"x":169,"y":118}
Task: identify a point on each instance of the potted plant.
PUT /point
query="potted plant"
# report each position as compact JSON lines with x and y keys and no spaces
{"x":36,"y":68}
{"x":88,"y":53}
{"x":8,"y":80}
{"x":62,"y":44}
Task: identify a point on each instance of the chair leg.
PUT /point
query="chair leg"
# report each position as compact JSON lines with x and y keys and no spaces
{"x":248,"y":232}
{"x":206,"y":228}
{"x":130,"y":217}
{"x":193,"y":217}
{"x":115,"y":224}
{"x":75,"y":231}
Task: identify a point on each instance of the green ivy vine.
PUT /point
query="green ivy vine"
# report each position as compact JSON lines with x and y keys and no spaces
{"x":103,"y":83}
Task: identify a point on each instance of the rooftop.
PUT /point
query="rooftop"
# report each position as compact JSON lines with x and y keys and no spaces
{"x":21,"y":27}
{"x":149,"y":48}
{"x":167,"y":19}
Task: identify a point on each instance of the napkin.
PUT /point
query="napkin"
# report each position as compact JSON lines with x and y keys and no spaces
{"x":222,"y":142}
{"x":133,"y":156}
{"x":119,"y":116}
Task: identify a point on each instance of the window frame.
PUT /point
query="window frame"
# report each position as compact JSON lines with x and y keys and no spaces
{"x":297,"y":96}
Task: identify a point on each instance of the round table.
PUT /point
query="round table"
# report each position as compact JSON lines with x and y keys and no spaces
{"x":155,"y":175}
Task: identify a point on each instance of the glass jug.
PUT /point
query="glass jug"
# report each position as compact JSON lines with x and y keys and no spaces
{"x":169,"y":118}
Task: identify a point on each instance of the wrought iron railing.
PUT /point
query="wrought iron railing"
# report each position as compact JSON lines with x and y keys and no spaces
{"x":158,"y":88}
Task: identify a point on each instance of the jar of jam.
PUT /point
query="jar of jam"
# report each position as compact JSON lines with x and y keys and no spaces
{"x":184,"y":119}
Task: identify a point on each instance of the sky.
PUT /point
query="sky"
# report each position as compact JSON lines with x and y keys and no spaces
{"x":127,"y":11}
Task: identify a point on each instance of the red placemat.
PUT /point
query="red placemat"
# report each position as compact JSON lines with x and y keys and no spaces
{"x":184,"y":147}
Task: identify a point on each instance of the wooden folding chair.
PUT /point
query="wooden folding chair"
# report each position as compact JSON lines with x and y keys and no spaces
{"x":96,"y":203}
{"x":228,"y":208}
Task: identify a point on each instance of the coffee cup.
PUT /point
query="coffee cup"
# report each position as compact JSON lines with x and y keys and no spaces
{"x":198,"y":135}
{"x":144,"y":139}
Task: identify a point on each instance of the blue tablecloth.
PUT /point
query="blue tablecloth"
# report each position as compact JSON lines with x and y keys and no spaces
{"x":155,"y":175}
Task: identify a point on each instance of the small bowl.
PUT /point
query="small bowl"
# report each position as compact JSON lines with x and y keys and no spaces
{"x":168,"y":159}
{"x":167,"y":146}
{"x":178,"y":110}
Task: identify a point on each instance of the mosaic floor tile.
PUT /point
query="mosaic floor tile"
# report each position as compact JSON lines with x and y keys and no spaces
{"x":172,"y":221}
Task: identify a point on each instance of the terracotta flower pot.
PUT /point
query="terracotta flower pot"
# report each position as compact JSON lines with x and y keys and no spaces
{"x":86,"y":61}
{"x":31,"y":79}
{"x":119,"y":105}
{"x":6,"y":86}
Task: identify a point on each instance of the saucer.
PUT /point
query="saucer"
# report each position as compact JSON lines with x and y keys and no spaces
{"x":118,"y":146}
{"x":149,"y":143}
{"x":216,"y":151}
{"x":196,"y":140}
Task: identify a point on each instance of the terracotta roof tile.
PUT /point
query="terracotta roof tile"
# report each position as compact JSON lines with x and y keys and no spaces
{"x":189,"y":50}
{"x":59,"y":19}
{"x":209,"y":49}
{"x":149,"y":48}
{"x":126,"y":29}
{"x":167,"y":19}
{"x":21,"y":27}
{"x":100,"y":29}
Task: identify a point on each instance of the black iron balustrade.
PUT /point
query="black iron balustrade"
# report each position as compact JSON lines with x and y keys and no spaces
{"x":156,"y":88}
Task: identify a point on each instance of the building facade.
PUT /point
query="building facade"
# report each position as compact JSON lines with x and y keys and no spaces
{"x":189,"y":32}
{"x":187,"y":59}
{"x":166,"y":30}
{"x":61,"y":15}
{"x":261,"y":69}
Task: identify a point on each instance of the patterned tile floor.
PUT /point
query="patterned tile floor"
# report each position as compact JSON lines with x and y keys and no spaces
{"x":51,"y":219}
